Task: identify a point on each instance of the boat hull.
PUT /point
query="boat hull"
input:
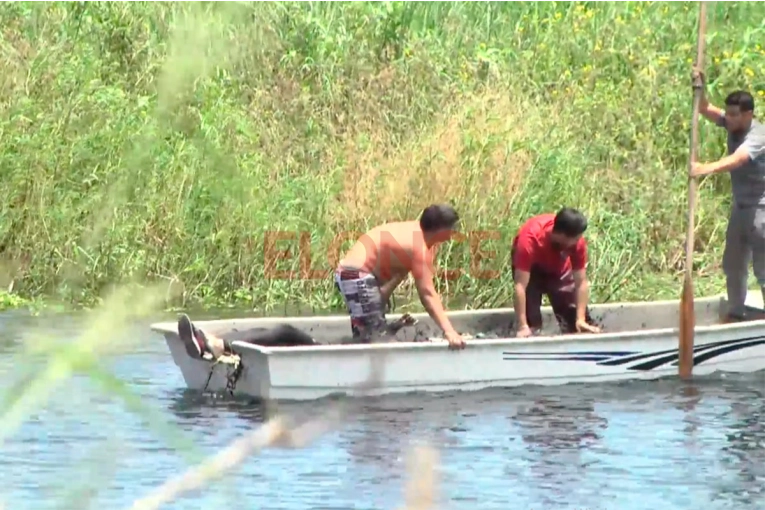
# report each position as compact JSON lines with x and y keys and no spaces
{"x":638,"y":351}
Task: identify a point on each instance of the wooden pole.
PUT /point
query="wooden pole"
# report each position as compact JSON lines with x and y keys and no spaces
{"x":687,"y":314}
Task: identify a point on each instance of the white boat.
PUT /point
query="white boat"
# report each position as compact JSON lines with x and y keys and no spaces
{"x":639,"y":341}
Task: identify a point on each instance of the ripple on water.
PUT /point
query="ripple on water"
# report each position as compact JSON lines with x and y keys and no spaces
{"x":660,"y":444}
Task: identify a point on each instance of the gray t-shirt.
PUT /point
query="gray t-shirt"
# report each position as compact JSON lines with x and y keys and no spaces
{"x":748,"y":181}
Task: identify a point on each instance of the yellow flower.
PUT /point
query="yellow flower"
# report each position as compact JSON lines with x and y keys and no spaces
{"x":748,"y":72}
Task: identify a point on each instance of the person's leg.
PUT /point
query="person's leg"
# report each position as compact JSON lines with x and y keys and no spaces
{"x":195,"y":347}
{"x":282,"y":335}
{"x":387,"y":288}
{"x":736,"y":258}
{"x":355,"y":332}
{"x":757,"y":245}
{"x":562,"y":293}
{"x":534,"y":301}
{"x":361,"y":292}
{"x":197,"y":342}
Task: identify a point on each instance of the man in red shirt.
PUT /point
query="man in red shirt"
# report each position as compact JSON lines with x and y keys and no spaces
{"x":549,"y":257}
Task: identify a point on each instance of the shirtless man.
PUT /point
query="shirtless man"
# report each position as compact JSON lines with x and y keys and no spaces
{"x":380,"y":260}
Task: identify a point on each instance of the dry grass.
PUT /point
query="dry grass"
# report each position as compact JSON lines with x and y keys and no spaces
{"x":384,"y":182}
{"x":471,"y":157}
{"x":165,"y":140}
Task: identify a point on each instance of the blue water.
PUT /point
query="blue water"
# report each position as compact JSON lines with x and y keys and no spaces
{"x":664,"y":445}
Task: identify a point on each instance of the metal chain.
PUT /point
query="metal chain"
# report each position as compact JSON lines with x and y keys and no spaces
{"x":232,"y":377}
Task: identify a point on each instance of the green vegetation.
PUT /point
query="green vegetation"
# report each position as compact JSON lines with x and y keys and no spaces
{"x":161,"y":142}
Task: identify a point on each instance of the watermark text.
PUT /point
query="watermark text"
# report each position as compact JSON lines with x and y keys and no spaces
{"x":291,"y":255}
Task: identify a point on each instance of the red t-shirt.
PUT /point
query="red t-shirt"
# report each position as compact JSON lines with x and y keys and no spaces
{"x":532,"y":248}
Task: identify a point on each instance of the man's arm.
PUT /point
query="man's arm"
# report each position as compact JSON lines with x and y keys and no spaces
{"x":726,"y":164}
{"x":710,"y":111}
{"x":388,"y":287}
{"x":582,"y":286}
{"x":519,"y":297}
{"x":422,"y":271}
{"x":523,"y":258}
{"x":749,"y":150}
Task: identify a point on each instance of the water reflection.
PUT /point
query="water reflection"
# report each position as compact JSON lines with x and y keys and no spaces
{"x":691,"y":396}
{"x":549,"y":425}
{"x":743,"y":454}
{"x":555,"y":447}
{"x":193,"y":408}
{"x":556,"y":431}
{"x":662,"y":444}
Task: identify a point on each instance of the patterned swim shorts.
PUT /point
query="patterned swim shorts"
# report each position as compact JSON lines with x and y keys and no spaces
{"x":361,"y":292}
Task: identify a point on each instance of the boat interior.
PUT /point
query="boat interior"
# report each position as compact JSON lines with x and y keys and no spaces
{"x":486,"y":323}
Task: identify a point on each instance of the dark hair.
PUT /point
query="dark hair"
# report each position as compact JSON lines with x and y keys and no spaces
{"x":437,"y":217}
{"x":570,"y":222}
{"x":742,"y":99}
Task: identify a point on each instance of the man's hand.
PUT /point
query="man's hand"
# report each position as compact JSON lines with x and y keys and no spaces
{"x":697,"y":76}
{"x":408,"y":320}
{"x":583,"y":327}
{"x":523,"y":332}
{"x":699,"y":169}
{"x":455,"y":340}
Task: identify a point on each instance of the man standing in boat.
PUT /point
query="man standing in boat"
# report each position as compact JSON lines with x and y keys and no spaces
{"x":380,"y":260}
{"x":549,"y":256}
{"x":745,"y":235}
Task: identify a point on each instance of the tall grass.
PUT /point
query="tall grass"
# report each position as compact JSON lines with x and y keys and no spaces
{"x":159,"y":141}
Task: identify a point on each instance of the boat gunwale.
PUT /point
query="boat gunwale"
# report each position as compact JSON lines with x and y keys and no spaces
{"x":438,"y":343}
{"x":171,"y":327}
{"x":547,"y":340}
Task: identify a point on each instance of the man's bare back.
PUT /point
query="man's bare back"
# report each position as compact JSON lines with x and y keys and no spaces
{"x":390,"y":250}
{"x":380,"y":260}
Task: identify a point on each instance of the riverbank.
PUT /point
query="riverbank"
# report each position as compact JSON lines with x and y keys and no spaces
{"x":167,"y":143}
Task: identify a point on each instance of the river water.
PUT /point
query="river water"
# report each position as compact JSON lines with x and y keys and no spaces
{"x":664,"y":444}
